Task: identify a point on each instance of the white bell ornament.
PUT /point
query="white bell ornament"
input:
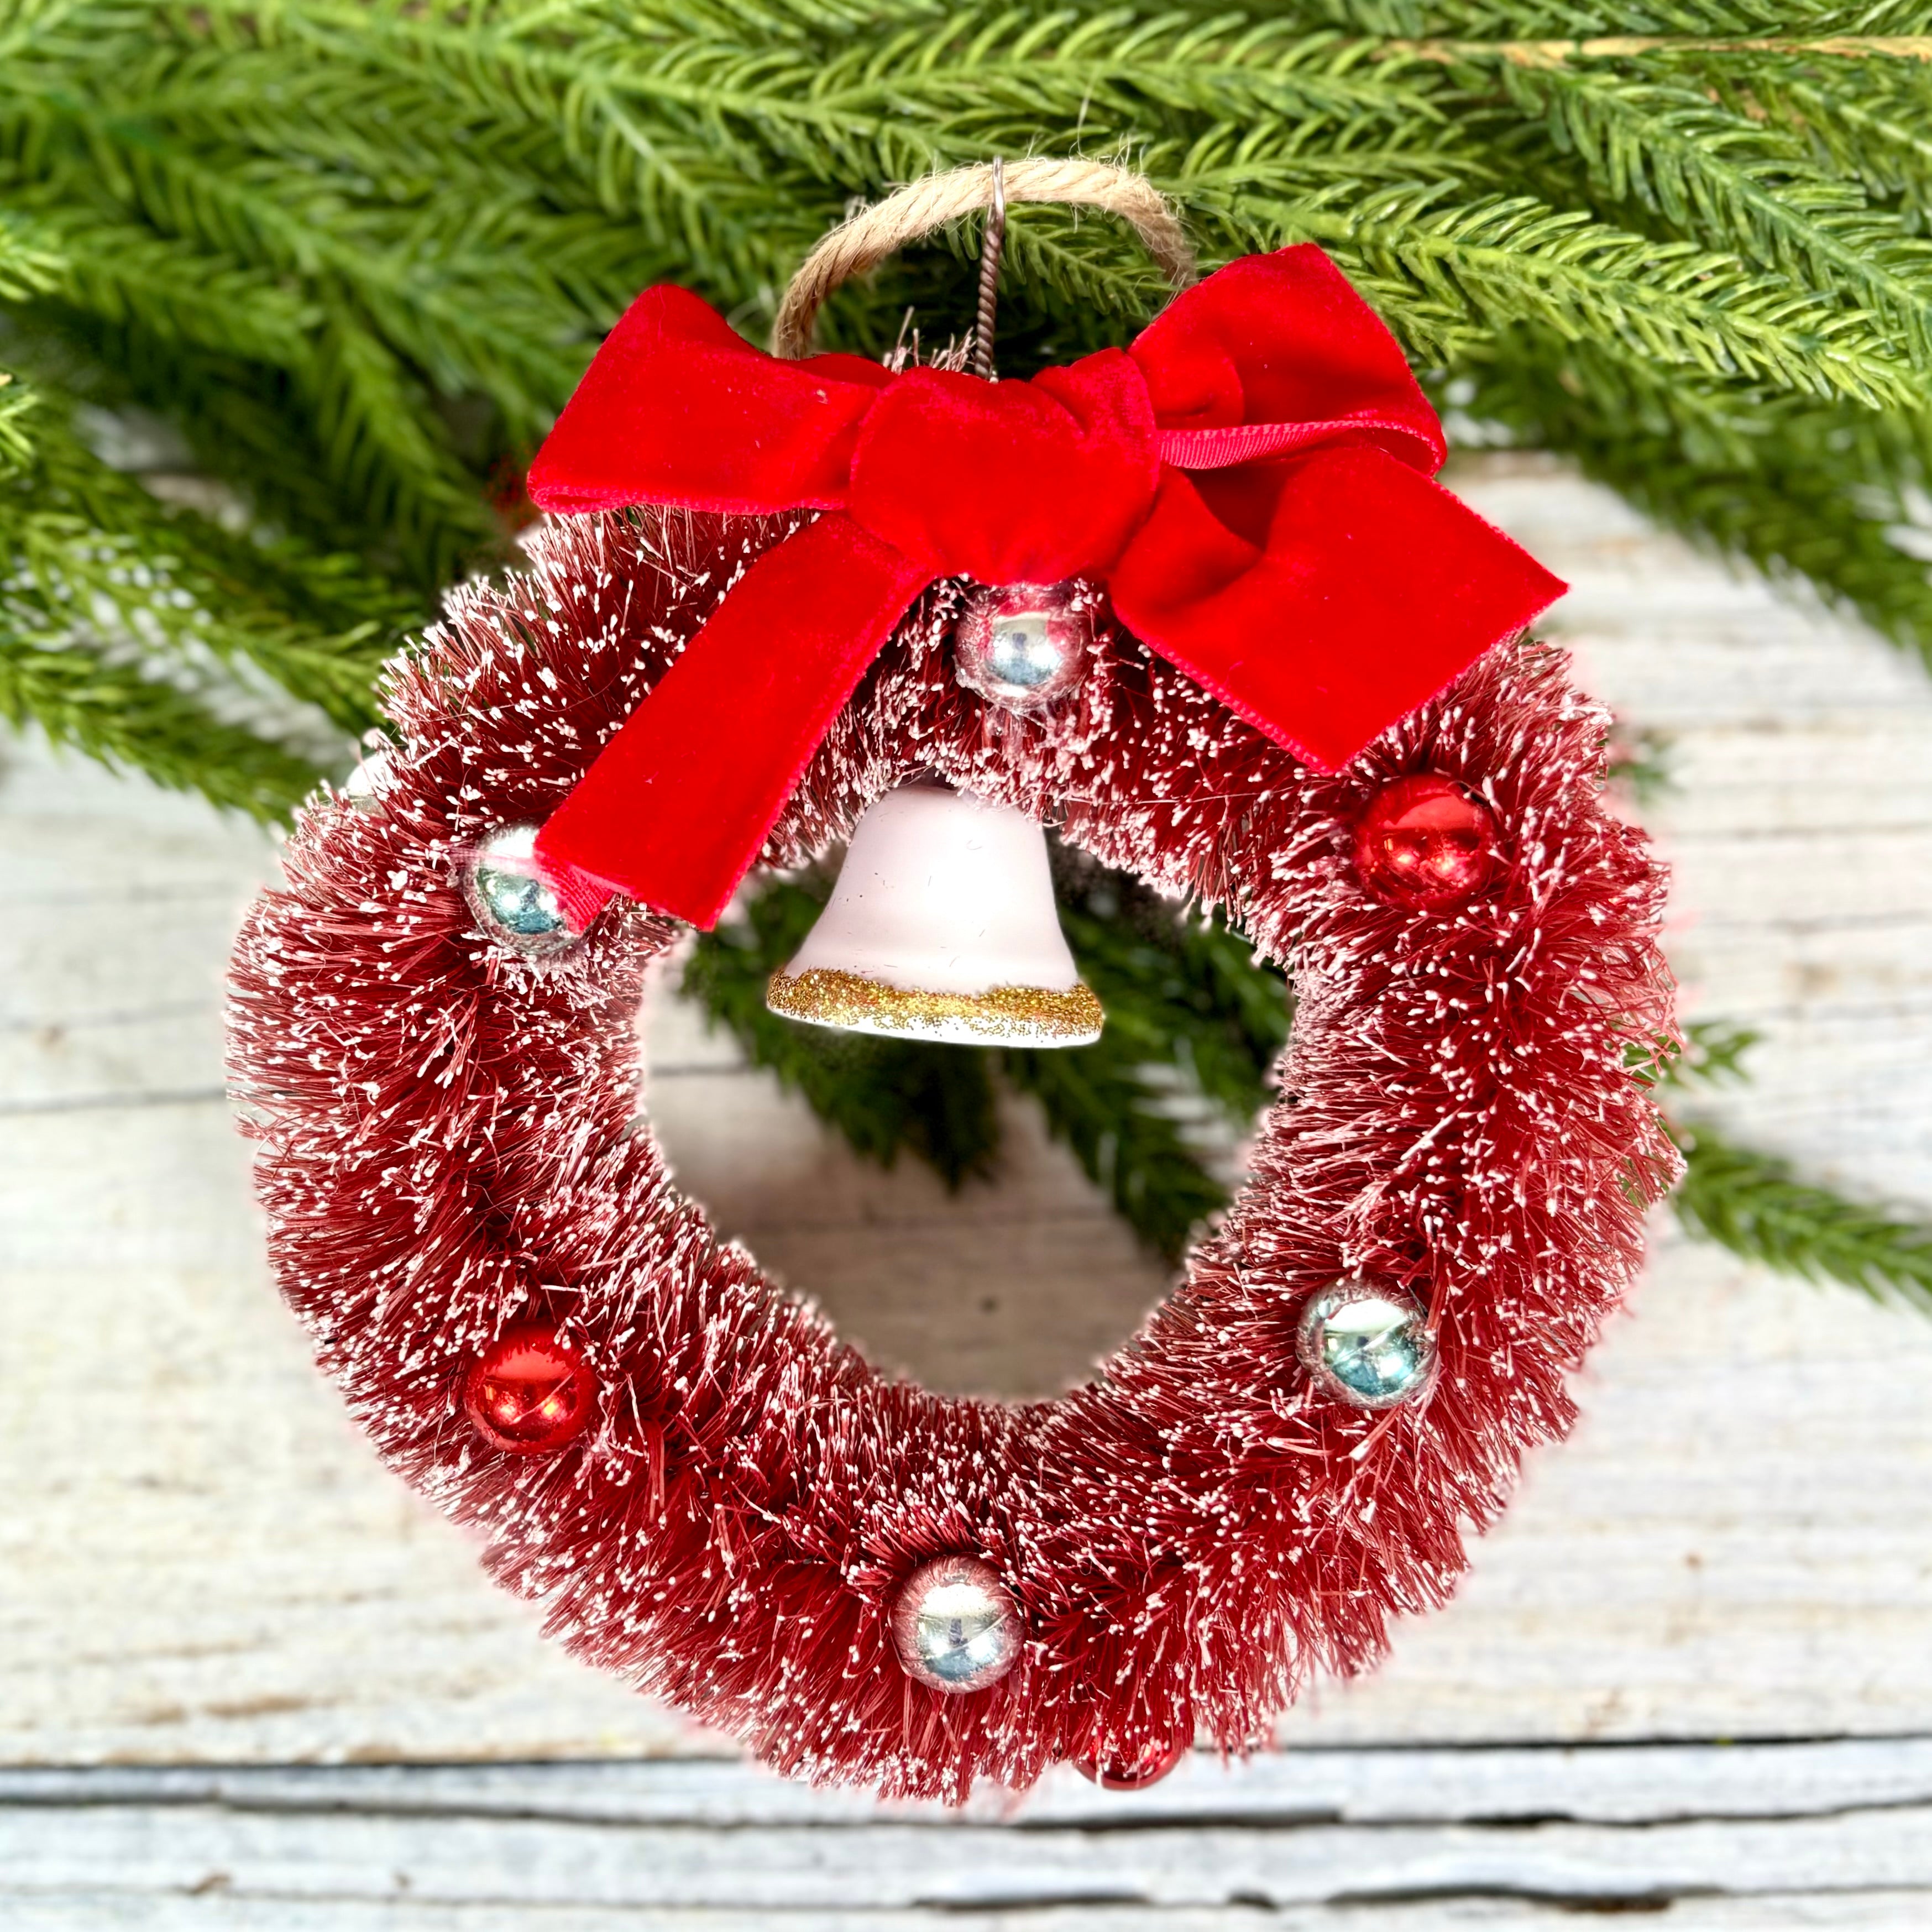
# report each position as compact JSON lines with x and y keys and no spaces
{"x":942,"y":927}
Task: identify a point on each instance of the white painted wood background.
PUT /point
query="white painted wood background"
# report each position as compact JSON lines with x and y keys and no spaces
{"x":246,"y":1681}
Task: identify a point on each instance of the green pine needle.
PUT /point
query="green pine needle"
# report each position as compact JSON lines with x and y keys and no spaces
{"x":935,"y":1102}
{"x":18,"y":406}
{"x":1752,"y":1203}
{"x":151,"y":638}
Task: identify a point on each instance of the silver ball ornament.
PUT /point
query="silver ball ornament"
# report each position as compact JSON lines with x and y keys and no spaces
{"x":954,"y":1625}
{"x":365,"y":784}
{"x":1366,"y":1343}
{"x":363,"y":787}
{"x":512,"y":900}
{"x":1024,"y":647}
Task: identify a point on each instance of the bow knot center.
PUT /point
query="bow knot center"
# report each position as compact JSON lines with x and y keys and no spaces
{"x":1010,"y":482}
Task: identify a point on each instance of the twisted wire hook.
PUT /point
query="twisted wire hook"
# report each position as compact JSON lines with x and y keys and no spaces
{"x":992,"y":245}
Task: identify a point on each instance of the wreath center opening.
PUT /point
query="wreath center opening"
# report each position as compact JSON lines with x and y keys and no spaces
{"x":970,"y":1215}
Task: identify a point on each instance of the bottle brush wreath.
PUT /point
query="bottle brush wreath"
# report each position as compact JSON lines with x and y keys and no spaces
{"x":1198,"y":604}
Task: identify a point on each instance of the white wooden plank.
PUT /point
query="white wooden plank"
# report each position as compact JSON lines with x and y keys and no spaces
{"x":215,"y":1910}
{"x":1019,"y":1286}
{"x":285,"y":1850}
{"x":210,"y":1566}
{"x":1799,"y":828}
{"x":1489,"y":1786}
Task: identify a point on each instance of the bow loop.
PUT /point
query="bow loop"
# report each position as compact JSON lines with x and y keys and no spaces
{"x":1281,"y":344}
{"x":1251,"y":481}
{"x":678,"y":407}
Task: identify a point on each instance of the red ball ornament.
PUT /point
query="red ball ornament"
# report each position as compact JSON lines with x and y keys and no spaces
{"x":1424,"y":841}
{"x":1132,"y":1767}
{"x":529,"y":1393}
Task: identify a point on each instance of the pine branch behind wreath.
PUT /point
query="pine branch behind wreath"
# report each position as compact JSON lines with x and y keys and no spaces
{"x":288,"y":296}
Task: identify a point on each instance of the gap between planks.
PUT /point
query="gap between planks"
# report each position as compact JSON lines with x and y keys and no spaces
{"x":1834,"y":1832}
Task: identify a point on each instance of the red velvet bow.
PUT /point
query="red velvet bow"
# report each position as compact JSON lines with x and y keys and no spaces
{"x":1250,"y":481}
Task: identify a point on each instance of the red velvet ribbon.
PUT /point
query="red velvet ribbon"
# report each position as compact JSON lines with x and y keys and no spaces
{"x":1250,"y":481}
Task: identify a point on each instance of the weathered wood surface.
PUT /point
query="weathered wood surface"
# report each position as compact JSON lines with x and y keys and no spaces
{"x":201,"y":1564}
{"x":1768,"y":1835}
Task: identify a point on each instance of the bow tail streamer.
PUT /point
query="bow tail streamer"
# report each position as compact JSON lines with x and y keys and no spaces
{"x":1320,"y":601}
{"x":675,"y":809}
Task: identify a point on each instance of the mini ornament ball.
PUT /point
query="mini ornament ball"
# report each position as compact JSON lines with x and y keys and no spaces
{"x":1424,"y":842}
{"x":956,"y":1626}
{"x":1366,"y":1343}
{"x":1024,"y":647}
{"x":530,"y":1393}
{"x":1132,"y":1767}
{"x":364,"y":786}
{"x":514,"y":903}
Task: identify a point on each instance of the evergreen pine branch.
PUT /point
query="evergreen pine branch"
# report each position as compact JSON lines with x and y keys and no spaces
{"x":1453,"y":277}
{"x":1818,"y":494}
{"x":1712,"y":171}
{"x":1492,"y":261}
{"x":788,"y":89}
{"x":382,"y":181}
{"x":936,"y":1102}
{"x":121,"y":270}
{"x":378,"y":438}
{"x":799,"y":81}
{"x":1100,"y":1101}
{"x":739,"y":141}
{"x":65,"y":573}
{"x":1871,"y":121}
{"x":434,"y":288}
{"x":112,"y":712}
{"x":384,"y":448}
{"x":243,"y":427}
{"x":359,"y":251}
{"x":101,"y":570}
{"x":177,"y":262}
{"x":1752,"y":1203}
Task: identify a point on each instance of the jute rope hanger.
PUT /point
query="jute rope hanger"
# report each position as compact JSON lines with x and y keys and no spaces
{"x":916,"y":209}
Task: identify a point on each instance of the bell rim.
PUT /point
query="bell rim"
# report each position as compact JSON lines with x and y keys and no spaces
{"x":1001,"y":1016}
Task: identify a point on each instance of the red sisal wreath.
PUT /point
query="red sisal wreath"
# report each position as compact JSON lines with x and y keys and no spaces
{"x":713,"y":1495}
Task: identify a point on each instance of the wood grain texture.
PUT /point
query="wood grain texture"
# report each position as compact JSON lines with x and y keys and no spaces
{"x":1799,"y":823}
{"x":200,"y":1561}
{"x":1762,"y":1836}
